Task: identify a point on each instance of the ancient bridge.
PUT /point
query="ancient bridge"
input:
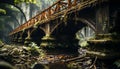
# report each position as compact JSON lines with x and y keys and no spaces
{"x":58,"y":24}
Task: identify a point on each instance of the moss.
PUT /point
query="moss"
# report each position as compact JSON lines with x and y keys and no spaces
{"x":35,"y":50}
{"x":2,"y":11}
{"x":84,"y":44}
{"x":1,"y":43}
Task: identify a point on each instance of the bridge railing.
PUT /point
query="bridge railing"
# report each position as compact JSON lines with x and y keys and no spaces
{"x":58,"y":6}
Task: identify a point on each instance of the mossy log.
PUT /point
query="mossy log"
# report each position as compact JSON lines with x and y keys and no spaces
{"x":103,"y":55}
{"x":104,"y":48}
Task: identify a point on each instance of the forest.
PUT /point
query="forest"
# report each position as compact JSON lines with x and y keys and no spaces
{"x":80,"y":36}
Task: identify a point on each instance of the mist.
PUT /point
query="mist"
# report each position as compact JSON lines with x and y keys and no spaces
{"x":13,"y":17}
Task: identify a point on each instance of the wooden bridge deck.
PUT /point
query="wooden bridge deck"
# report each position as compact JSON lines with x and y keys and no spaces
{"x":58,"y":10}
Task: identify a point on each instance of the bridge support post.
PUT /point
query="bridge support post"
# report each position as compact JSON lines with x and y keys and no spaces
{"x":102,"y":20}
{"x":48,"y":41}
{"x":28,"y":38}
{"x":20,"y":39}
{"x":15,"y":38}
{"x":12,"y":38}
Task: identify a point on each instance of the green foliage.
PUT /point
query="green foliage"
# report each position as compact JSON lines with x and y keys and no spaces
{"x":72,"y":65}
{"x":2,"y":11}
{"x":1,"y":43}
{"x":22,"y":54}
{"x":27,"y":1}
{"x":35,"y":50}
{"x":84,"y":44}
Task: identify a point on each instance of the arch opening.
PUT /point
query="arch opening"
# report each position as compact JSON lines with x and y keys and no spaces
{"x":85,"y":34}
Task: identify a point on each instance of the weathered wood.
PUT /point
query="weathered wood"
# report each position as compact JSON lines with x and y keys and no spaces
{"x":104,"y":46}
{"x":72,"y":59}
{"x":53,"y":16}
{"x":103,"y":41}
{"x":103,"y":55}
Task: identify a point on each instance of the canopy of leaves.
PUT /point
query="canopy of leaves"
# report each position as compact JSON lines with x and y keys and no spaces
{"x":17,"y":1}
{"x":27,"y":1}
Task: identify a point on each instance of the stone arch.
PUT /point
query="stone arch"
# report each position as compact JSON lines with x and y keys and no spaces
{"x":87,"y":32}
{"x":66,"y":33}
{"x":88,"y":22}
{"x":71,"y":27}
